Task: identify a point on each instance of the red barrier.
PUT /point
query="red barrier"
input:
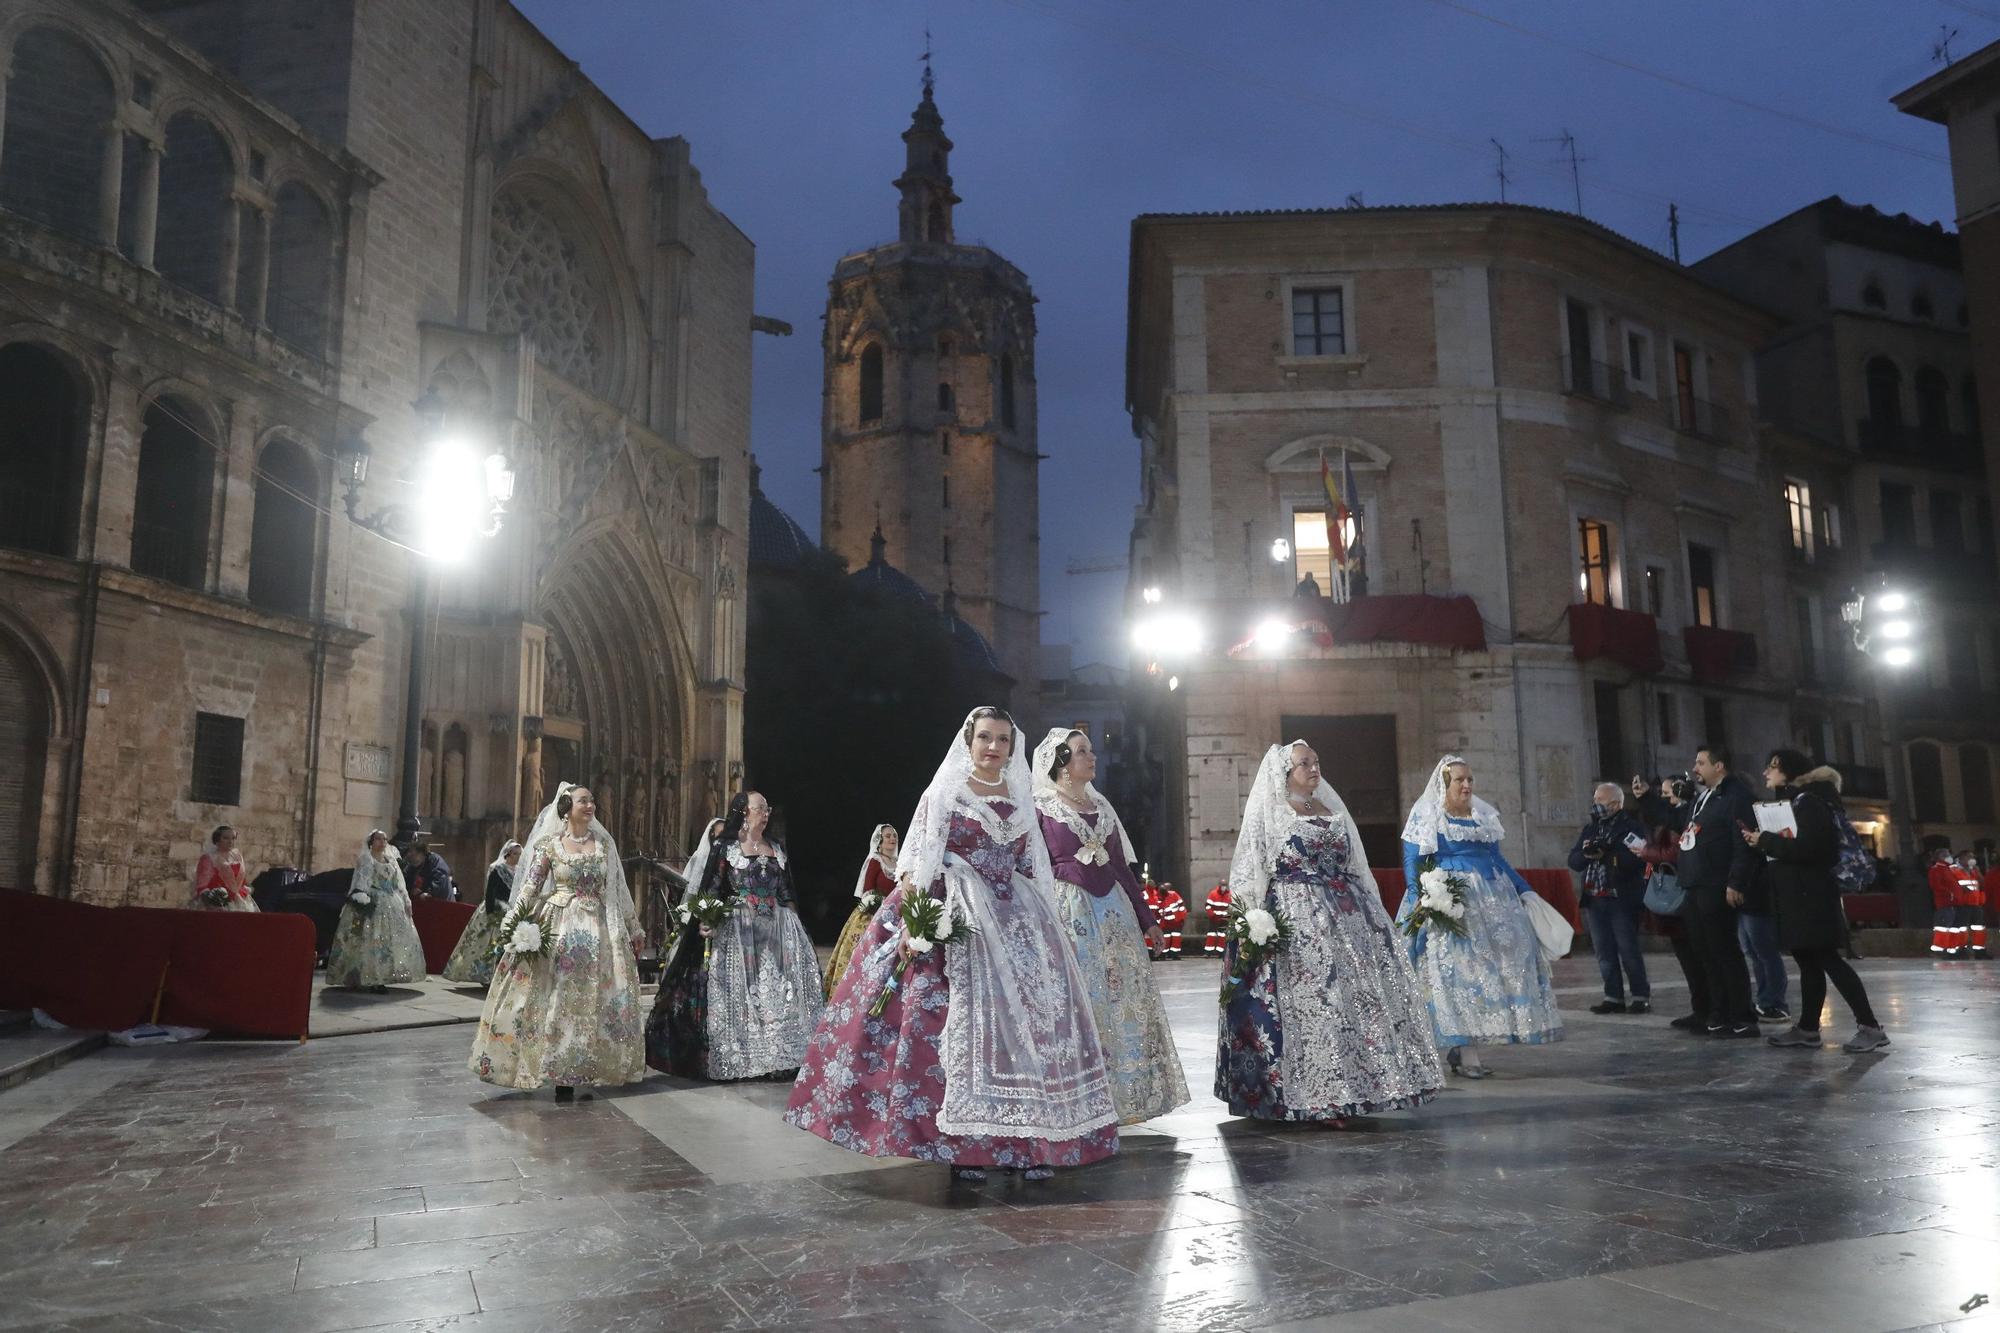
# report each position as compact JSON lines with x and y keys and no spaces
{"x":1871,"y":909}
{"x":439,"y":924}
{"x":248,"y":974}
{"x":1553,"y":883}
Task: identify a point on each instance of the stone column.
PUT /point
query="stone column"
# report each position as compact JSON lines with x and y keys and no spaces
{"x":232,"y":249}
{"x":110,"y":181}
{"x":260,"y":270}
{"x":146,"y":222}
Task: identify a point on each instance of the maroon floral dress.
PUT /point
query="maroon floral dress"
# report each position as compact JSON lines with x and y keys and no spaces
{"x":874,"y":1085}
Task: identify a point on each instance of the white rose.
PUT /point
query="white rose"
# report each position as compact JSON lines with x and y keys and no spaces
{"x":527,"y":938}
{"x":1260,"y":925}
{"x":362,"y":900}
{"x":1433,"y":879}
{"x":918,"y":944}
{"x":1456,"y":911}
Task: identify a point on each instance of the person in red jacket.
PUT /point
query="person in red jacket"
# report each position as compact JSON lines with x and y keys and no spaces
{"x":1971,"y":908}
{"x":1989,"y":893}
{"x":1217,"y":909}
{"x":1170,"y":911}
{"x":1943,"y":878}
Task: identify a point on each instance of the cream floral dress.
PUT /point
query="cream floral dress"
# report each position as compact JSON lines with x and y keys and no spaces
{"x":570,"y":1016}
{"x":377,"y":946}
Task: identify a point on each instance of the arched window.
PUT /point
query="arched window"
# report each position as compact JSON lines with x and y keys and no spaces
{"x":1873,"y":297}
{"x":1975,"y":779}
{"x":1007,"y":392}
{"x":282,"y":530}
{"x":59,"y":106}
{"x":170,"y":509}
{"x":197,"y":177}
{"x":301,"y":262}
{"x":41,"y":451}
{"x":1926,"y":783}
{"x":24,"y":735}
{"x":871,"y":385}
{"x":1933,"y":403}
{"x":1968,"y":405}
{"x":1921,"y":307}
{"x":1885,"y":393}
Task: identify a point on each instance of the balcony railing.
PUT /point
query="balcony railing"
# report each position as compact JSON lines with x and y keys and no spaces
{"x":1698,"y":416}
{"x":1595,"y":379}
{"x":1918,"y":444}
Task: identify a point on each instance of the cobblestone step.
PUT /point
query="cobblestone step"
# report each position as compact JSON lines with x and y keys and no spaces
{"x":28,"y":1052}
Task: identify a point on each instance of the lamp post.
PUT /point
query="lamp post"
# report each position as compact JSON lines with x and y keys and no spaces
{"x":460,"y":497}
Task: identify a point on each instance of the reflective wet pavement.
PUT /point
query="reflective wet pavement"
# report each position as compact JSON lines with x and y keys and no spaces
{"x":1629,"y":1178}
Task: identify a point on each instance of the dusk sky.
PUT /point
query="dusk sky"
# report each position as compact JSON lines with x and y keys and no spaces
{"x":1070,"y":117}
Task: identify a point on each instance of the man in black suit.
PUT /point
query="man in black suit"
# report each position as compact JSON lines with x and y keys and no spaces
{"x":1717,"y":868}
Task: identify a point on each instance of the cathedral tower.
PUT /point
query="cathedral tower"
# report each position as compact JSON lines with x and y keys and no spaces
{"x":929,"y":410}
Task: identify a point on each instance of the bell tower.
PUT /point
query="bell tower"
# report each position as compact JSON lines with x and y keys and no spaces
{"x":928,"y":426}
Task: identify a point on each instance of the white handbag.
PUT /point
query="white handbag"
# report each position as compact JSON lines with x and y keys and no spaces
{"x":1552,"y":932}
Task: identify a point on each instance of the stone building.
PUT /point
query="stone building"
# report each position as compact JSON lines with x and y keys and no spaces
{"x":1871,"y":393}
{"x":1573,"y":560}
{"x":928,"y":435}
{"x":237,"y":242}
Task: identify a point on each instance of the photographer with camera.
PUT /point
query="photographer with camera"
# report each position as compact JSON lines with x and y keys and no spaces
{"x":1657,"y":805}
{"x":1606,"y":857}
{"x":1717,"y":868}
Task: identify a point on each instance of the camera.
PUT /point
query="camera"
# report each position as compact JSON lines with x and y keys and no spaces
{"x":1593,"y":848}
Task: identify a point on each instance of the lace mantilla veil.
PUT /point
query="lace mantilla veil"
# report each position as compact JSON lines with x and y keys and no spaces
{"x":507,"y":872}
{"x":1268,"y":822}
{"x":365,"y":866}
{"x":621,"y":918}
{"x":1002,"y":1076}
{"x":1048,"y":799}
{"x":208,"y":850}
{"x":1427,"y":816}
{"x":697,"y":865}
{"x":875,"y":855}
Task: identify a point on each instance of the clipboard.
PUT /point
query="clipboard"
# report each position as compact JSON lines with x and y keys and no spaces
{"x":1776,"y":817}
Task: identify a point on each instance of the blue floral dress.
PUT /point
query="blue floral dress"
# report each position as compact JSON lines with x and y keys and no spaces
{"x":568,"y":1017}
{"x":1490,"y":986}
{"x":1332,"y":1024}
{"x":377,"y":946}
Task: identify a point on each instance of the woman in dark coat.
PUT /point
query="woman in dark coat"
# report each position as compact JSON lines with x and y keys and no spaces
{"x":1805,"y":897}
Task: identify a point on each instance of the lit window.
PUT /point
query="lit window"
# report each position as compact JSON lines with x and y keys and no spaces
{"x":1593,"y":580}
{"x":1799,"y":512}
{"x":1701,"y":583}
{"x":1319,"y":322}
{"x":1312,"y":548}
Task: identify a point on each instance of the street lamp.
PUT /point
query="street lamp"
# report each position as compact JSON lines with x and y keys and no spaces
{"x":1281,"y":550}
{"x":1883,"y":624}
{"x":461,"y":498}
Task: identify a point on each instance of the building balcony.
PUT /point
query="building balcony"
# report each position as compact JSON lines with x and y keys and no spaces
{"x":1919,"y":445}
{"x":1718,"y":655}
{"x":1595,"y":380}
{"x":1698,"y":416}
{"x":1863,"y":783}
{"x":1308,"y":627}
{"x":1629,"y":638}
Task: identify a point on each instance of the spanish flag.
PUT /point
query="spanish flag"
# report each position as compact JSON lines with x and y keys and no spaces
{"x":1336,"y":514}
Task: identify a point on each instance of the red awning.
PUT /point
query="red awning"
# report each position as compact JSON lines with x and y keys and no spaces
{"x":1714,"y":655}
{"x":1629,"y":638}
{"x":1448,"y":622}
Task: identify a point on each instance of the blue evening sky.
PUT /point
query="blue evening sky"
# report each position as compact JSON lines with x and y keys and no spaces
{"x":1072,"y":116}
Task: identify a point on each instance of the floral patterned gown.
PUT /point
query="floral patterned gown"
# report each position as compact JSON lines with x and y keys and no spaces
{"x":875,"y":880}
{"x":379,"y":946}
{"x":1332,"y":1024}
{"x":1490,"y":986}
{"x":569,"y":1017}
{"x":875,"y":1084}
{"x":471,"y":958}
{"x":742,"y":1003}
{"x":1104,"y":908}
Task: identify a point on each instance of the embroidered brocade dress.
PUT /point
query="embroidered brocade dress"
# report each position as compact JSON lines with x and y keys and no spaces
{"x":227,"y":876}
{"x":1332,"y":1024}
{"x":1490,"y":986}
{"x":748,"y":1010}
{"x":379,"y":946}
{"x":877,"y":881}
{"x":875,"y":1085}
{"x":472,"y":958}
{"x":1104,"y":909}
{"x":568,"y":1017}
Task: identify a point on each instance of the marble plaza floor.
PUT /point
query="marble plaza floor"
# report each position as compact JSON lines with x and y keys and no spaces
{"x":1628,"y":1179}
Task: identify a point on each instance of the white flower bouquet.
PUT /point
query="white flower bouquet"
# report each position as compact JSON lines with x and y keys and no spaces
{"x":215,"y":897}
{"x":1256,"y":933}
{"x":1440,"y":901}
{"x":362,"y":901}
{"x":926,"y":925}
{"x":522,"y":934}
{"x":703,"y":912}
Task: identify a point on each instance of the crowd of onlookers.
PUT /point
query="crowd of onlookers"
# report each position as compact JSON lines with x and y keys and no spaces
{"x":1735,"y":883}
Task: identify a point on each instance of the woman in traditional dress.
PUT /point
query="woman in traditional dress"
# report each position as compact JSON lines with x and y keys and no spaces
{"x":1329,"y":1023}
{"x":1103,"y":905}
{"x":1490,"y":986}
{"x":983,"y":1052}
{"x":375,"y":945}
{"x":740,"y":1002}
{"x":871,"y":886}
{"x":568,"y":1015}
{"x":218,"y":876}
{"x":472,"y":960}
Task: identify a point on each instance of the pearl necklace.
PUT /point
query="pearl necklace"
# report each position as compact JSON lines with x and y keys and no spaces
{"x":988,"y":782}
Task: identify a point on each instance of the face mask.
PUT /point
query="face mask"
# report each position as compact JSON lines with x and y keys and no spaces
{"x":1599,"y":809}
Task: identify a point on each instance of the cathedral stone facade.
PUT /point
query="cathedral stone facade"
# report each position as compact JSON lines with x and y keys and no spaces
{"x":929,"y":431}
{"x":237,"y":242}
